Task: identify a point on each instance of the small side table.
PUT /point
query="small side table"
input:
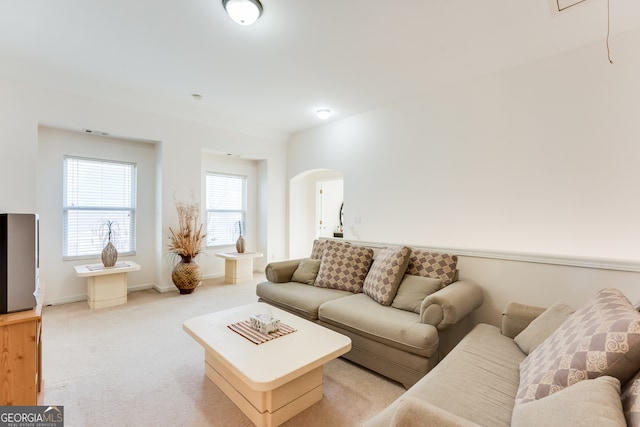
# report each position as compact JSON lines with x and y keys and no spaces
{"x":238,"y":267}
{"x":106,"y":286}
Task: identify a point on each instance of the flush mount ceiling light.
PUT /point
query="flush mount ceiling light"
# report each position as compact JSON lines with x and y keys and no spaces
{"x":244,"y":12}
{"x":323,"y":113}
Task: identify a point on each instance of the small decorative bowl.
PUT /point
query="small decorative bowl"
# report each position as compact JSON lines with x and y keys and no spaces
{"x":264,"y":323}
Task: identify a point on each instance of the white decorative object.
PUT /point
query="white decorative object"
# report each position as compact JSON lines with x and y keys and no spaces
{"x":264,"y":323}
{"x":244,"y":12}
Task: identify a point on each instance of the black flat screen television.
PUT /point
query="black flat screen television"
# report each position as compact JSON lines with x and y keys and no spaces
{"x":19,"y":261}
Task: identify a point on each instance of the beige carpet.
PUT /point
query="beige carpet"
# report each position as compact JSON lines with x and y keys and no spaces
{"x":133,"y":365}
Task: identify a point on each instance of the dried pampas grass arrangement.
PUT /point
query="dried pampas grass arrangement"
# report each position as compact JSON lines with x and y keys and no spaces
{"x":188,"y":239}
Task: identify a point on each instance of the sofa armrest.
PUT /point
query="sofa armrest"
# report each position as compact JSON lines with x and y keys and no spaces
{"x":451,"y":304}
{"x":281,"y":271}
{"x":412,"y":411}
{"x":516,"y":317}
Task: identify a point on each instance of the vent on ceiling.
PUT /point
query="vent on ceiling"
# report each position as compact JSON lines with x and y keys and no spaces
{"x":95,"y":132}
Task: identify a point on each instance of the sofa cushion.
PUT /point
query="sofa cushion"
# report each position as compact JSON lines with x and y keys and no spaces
{"x":433,"y":264}
{"x":318,"y":248}
{"x":543,"y":326}
{"x":631,"y":400}
{"x":344,"y":266}
{"x":385,"y":274}
{"x":477,"y":380}
{"x":601,"y":338}
{"x":413,"y":290}
{"x":416,"y":412}
{"x":307,"y":271}
{"x":593,"y":403}
{"x":396,"y":328}
{"x":297,"y":298}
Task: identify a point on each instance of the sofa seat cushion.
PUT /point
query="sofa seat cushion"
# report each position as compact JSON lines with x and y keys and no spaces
{"x":396,"y":328}
{"x":298,"y":298}
{"x":477,"y":380}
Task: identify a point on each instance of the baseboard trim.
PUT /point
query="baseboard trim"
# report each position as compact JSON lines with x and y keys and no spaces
{"x":164,"y":289}
{"x":83,"y":297}
{"x":66,"y":300}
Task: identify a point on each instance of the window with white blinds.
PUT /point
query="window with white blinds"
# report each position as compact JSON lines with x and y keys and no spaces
{"x":95,"y":192}
{"x":226,"y":206}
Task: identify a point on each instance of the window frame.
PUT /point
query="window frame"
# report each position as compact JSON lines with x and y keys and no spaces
{"x":69,"y":207}
{"x":213,"y":210}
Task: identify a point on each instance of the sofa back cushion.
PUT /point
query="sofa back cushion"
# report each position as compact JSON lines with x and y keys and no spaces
{"x":318,"y":249}
{"x":344,"y":266}
{"x":601,"y":338}
{"x":307,"y":271}
{"x":413,"y":290}
{"x":433,"y":264}
{"x":385,"y":274}
{"x":543,"y":326}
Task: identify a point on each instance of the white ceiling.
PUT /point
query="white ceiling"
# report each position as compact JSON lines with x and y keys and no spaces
{"x":349,"y":55}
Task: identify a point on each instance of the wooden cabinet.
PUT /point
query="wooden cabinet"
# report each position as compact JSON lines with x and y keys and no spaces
{"x":21,"y":358}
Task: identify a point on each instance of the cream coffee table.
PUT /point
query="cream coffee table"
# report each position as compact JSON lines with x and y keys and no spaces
{"x":273,"y":381}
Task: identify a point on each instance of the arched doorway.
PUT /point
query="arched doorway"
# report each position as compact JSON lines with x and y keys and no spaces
{"x":312,"y":213}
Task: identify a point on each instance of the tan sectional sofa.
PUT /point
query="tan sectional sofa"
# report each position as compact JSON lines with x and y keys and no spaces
{"x":402,"y":307}
{"x":552,"y":367}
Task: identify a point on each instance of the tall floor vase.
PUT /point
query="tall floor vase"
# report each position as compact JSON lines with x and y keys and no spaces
{"x":186,"y":275}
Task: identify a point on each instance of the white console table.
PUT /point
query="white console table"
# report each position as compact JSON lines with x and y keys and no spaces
{"x":106,"y":286}
{"x":238,"y":267}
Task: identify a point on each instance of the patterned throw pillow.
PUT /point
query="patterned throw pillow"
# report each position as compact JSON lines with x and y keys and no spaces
{"x":433,"y":264}
{"x":344,"y":266}
{"x":601,"y":338}
{"x":318,"y":248}
{"x":631,"y":401}
{"x":386,"y":273}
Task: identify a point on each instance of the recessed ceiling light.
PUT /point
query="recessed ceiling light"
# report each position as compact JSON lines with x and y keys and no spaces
{"x":323,"y":113}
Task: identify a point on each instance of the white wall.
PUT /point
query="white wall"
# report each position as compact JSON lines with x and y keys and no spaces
{"x":543,"y":158}
{"x":177,"y":157}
